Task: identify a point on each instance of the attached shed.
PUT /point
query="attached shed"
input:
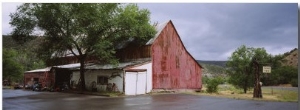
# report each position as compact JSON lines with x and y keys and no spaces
{"x":38,"y":75}
{"x":50,"y":76}
{"x":130,"y":78}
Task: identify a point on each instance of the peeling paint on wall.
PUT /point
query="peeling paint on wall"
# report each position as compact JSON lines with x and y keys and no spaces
{"x":173,"y":66}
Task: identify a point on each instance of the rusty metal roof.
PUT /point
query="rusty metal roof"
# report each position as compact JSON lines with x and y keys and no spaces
{"x":158,"y":28}
{"x":39,"y":70}
{"x":121,"y":65}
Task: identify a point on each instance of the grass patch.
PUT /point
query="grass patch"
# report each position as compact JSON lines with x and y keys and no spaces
{"x":229,"y":91}
{"x":282,"y":95}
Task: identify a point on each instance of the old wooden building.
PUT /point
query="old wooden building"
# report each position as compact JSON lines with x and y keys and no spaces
{"x":163,"y":63}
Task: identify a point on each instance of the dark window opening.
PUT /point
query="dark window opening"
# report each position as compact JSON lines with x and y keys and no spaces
{"x":36,"y":79}
{"x":102,"y":80}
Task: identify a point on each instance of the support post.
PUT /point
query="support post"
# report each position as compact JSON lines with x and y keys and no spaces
{"x":257,"y":87}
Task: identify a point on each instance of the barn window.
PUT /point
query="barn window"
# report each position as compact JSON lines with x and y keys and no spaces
{"x":102,"y":80}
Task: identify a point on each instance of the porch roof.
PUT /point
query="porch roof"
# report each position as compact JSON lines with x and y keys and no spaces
{"x":121,"y":65}
{"x":39,"y":70}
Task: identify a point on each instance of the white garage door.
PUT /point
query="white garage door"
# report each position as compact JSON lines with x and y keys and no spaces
{"x":135,"y":83}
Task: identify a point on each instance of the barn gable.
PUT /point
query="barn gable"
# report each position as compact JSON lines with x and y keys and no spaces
{"x":173,"y":66}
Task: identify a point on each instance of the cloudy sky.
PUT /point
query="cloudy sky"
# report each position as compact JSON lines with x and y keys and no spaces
{"x":214,"y":31}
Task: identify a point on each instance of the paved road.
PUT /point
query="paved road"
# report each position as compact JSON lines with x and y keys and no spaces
{"x":29,"y":100}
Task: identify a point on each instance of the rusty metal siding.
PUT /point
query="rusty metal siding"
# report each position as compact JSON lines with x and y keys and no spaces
{"x":28,"y":78}
{"x":173,"y":67}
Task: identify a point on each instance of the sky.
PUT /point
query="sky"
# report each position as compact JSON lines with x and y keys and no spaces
{"x":214,"y":31}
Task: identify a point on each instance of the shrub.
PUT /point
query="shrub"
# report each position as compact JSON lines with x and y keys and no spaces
{"x":294,"y":82}
{"x":212,"y":85}
{"x":205,"y":80}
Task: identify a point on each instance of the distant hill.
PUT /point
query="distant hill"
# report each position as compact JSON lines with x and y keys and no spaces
{"x":213,"y":68}
{"x":217,"y":63}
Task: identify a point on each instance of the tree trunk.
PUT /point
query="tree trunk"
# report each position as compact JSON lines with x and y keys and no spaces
{"x":82,"y":79}
{"x":245,"y":86}
{"x":246,"y":81}
{"x":257,"y":87}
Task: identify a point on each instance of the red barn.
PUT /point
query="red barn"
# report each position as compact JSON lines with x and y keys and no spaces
{"x":173,"y":66}
{"x":163,"y":63}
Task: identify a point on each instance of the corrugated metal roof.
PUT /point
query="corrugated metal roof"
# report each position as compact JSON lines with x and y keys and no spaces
{"x":121,"y":65}
{"x":39,"y":70}
{"x":68,"y":66}
{"x":76,"y":66}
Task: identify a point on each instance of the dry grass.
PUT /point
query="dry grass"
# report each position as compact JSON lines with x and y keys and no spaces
{"x":268,"y":95}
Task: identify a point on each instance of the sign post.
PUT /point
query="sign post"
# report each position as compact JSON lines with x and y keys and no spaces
{"x":266,"y":69}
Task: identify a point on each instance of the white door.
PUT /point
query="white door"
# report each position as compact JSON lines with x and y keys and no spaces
{"x":141,"y":83}
{"x":135,"y":83}
{"x":130,"y":83}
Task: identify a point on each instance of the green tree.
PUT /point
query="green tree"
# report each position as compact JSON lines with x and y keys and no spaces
{"x":25,"y":52}
{"x":275,"y":63}
{"x":12,"y":70}
{"x":82,"y":29}
{"x":239,"y":64}
{"x":284,"y":74}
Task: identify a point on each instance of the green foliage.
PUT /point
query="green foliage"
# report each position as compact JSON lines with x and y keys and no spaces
{"x":12,"y":70}
{"x":205,"y":80}
{"x":275,"y":76}
{"x":294,"y":82}
{"x":282,"y":75}
{"x":83,"y":29}
{"x":212,"y":84}
{"x":88,"y":29}
{"x":239,"y":64}
{"x":25,"y":53}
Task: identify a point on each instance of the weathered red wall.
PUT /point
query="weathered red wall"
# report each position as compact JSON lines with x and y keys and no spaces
{"x":41,"y":76}
{"x":29,"y":76}
{"x":173,"y":67}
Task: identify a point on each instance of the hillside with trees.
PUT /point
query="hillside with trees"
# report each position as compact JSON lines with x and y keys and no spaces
{"x":239,"y":70}
{"x":212,"y":70}
{"x":216,"y":63}
{"x":18,"y":58}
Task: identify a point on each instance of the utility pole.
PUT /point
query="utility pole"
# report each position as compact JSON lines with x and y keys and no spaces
{"x":257,"y":86}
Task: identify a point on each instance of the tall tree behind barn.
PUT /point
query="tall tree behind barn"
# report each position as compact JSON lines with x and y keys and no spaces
{"x":90,"y":29}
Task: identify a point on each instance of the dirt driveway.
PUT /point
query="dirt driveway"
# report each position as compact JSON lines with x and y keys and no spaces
{"x":29,"y":100}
